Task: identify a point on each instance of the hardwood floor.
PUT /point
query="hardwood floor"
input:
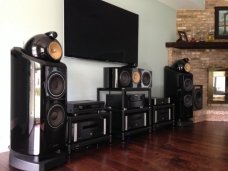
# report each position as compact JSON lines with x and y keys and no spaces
{"x":201,"y":147}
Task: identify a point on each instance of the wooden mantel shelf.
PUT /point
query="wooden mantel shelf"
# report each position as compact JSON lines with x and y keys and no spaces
{"x":197,"y":45}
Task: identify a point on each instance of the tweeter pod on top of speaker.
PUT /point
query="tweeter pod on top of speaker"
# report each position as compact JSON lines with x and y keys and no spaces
{"x":182,"y":65}
{"x":44,"y":46}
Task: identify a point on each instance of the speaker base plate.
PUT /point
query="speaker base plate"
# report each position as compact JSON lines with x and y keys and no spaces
{"x":27,"y":162}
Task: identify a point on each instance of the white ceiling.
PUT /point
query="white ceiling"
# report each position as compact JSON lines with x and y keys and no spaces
{"x":185,"y":4}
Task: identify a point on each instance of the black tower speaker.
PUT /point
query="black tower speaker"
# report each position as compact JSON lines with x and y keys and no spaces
{"x":38,"y":112}
{"x":127,"y":77}
{"x":197,"y":97}
{"x":179,"y":86}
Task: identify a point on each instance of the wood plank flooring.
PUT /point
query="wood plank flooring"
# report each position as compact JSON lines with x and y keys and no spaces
{"x":203,"y":146}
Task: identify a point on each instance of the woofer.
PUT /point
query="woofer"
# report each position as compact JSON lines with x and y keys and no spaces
{"x":188,"y":100}
{"x":56,"y":85}
{"x":125,"y":78}
{"x":56,"y":116}
{"x":146,"y":78}
{"x":188,"y":85}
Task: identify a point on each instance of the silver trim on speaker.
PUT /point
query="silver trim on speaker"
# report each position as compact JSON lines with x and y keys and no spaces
{"x":169,"y":114}
{"x":75,"y":132}
{"x":104,"y":126}
{"x":155,"y":116}
{"x":145,"y":120}
{"x":126,"y":123}
{"x":116,"y":78}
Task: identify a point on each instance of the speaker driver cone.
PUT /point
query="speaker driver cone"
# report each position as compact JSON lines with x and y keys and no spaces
{"x":188,"y":100}
{"x":56,"y":85}
{"x":136,"y":77}
{"x":188,"y":85}
{"x":125,"y":78}
{"x":55,"y":50}
{"x":146,"y":78}
{"x":56,"y":116}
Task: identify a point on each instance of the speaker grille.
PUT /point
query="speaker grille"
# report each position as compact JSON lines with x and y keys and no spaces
{"x":125,"y":78}
{"x":56,"y":85}
{"x":56,"y":116}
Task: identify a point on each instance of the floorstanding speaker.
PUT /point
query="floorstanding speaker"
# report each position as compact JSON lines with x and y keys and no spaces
{"x":38,"y":112}
{"x":197,"y":97}
{"x":179,"y":86}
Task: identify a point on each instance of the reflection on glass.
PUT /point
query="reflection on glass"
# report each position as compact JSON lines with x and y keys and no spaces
{"x":34,"y":107}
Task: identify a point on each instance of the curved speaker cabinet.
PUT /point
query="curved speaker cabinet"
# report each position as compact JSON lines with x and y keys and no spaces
{"x":179,"y":86}
{"x":38,"y":112}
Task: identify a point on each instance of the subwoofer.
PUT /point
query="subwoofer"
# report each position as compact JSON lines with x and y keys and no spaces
{"x":38,"y":111}
{"x":197,"y":97}
{"x":127,"y":77}
{"x":178,"y":86}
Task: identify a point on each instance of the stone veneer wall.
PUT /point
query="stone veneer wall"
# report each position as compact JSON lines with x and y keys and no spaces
{"x":199,"y":23}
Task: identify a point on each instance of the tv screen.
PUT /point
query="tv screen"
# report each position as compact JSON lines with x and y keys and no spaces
{"x":94,"y":29}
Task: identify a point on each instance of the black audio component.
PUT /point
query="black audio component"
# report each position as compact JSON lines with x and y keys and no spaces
{"x":127,"y":77}
{"x":84,"y":106}
{"x":178,"y":86}
{"x":162,"y":115}
{"x":88,"y":129}
{"x":160,"y":100}
{"x":38,"y":111}
{"x":197,"y":97}
{"x":91,"y":126}
{"x":131,"y":121}
{"x":129,"y":101}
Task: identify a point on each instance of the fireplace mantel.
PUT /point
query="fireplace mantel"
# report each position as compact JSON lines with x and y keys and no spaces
{"x":197,"y":45}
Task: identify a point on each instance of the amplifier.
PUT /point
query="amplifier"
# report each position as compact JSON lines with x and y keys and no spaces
{"x":89,"y":128}
{"x":160,"y":100}
{"x":84,"y":106}
{"x":131,"y":101}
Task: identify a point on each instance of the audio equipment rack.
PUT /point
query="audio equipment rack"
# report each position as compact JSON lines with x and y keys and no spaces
{"x":88,"y":123}
{"x":127,"y":121}
{"x":162,"y":111}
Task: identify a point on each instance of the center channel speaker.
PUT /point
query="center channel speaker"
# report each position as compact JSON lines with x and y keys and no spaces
{"x":179,"y":87}
{"x":38,"y":108}
{"x":127,"y":77}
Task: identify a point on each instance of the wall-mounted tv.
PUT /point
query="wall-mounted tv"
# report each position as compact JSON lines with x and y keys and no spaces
{"x":94,"y":29}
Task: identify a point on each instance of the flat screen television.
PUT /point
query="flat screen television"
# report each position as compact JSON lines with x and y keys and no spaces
{"x":94,"y":29}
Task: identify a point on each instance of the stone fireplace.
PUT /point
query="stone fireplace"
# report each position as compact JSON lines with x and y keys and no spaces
{"x":201,"y":60}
